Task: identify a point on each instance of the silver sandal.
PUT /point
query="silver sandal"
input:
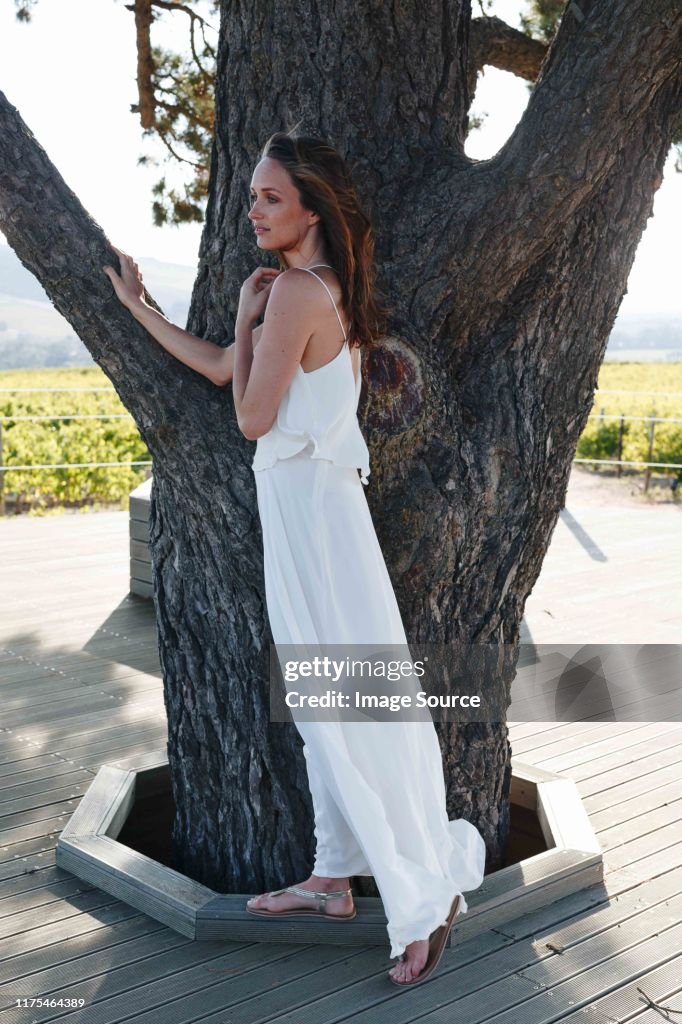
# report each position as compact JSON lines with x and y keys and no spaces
{"x":321,"y":898}
{"x":437,"y":941}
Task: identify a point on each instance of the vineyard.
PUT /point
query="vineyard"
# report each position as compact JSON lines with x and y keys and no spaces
{"x":52,"y":439}
{"x":90,"y":426}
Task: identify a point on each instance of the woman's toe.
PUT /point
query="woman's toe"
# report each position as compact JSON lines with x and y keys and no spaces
{"x":397,"y":972}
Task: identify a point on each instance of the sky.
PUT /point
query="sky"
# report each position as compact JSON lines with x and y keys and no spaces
{"x":71,"y":75}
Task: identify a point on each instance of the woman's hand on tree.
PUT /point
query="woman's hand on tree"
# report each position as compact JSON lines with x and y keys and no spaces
{"x":128,"y":285}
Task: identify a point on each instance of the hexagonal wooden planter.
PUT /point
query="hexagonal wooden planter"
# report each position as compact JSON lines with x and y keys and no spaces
{"x":90,"y":847}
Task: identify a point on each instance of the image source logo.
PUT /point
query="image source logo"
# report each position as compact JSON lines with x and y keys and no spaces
{"x":366,"y":682}
{"x":467,"y":683}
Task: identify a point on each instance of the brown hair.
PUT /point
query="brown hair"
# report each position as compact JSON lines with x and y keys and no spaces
{"x":325,"y":186}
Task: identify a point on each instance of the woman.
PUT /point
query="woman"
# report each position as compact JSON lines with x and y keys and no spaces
{"x":377,"y":787}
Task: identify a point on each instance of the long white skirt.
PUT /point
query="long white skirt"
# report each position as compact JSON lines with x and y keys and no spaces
{"x":377,"y":788}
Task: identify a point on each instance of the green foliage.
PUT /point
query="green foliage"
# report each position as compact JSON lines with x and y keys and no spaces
{"x":117,"y":440}
{"x":185,"y":122}
{"x":62,"y":441}
{"x":542,"y":18}
{"x":663,"y":382}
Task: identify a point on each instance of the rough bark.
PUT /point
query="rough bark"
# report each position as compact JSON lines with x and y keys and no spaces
{"x":505,"y":277}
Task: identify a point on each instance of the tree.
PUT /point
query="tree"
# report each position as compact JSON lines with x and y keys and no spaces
{"x":176,"y":91}
{"x":505,"y":276}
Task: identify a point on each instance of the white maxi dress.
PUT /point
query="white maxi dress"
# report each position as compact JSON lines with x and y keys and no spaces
{"x":377,"y":787}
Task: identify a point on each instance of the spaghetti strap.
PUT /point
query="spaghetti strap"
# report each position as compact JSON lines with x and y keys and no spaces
{"x":309,"y":271}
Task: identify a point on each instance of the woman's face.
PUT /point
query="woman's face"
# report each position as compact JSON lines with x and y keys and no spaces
{"x":279,"y":219}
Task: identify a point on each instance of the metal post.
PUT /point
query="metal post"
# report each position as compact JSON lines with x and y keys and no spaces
{"x":647,"y":476}
{"x":621,"y":430}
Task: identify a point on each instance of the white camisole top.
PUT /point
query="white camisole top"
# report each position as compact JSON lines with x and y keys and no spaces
{"x":319,"y":408}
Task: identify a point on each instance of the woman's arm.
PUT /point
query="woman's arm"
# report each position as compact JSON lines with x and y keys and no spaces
{"x":261,"y":378}
{"x":204,"y":356}
{"x":201,"y":355}
{"x":226,"y":367}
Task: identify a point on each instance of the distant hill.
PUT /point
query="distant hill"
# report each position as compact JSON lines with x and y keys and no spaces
{"x":33,"y":334}
{"x":646,"y":337}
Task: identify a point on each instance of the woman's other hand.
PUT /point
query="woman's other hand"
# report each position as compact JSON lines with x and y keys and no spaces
{"x":254,"y":293}
{"x":128,"y":285}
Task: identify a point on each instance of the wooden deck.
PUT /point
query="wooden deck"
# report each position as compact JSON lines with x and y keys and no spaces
{"x":80,"y":686}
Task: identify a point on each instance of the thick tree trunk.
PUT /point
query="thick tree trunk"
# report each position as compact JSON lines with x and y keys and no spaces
{"x":505,"y":276}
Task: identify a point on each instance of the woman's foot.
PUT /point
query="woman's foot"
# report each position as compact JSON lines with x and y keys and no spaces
{"x":421,"y":958}
{"x":338,"y":905}
{"x":411,"y":963}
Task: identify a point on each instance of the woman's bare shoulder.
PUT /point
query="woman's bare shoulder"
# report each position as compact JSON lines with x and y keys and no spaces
{"x":297,"y":293}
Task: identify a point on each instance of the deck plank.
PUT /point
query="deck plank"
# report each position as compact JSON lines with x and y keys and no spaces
{"x":82,"y":686}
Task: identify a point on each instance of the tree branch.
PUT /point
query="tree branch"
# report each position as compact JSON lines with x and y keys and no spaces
{"x":181,"y":159}
{"x":564,"y":148}
{"x":57,"y":240}
{"x":144,"y":17}
{"x":569,"y":139}
{"x":165,"y":5}
{"x":492,"y":41}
